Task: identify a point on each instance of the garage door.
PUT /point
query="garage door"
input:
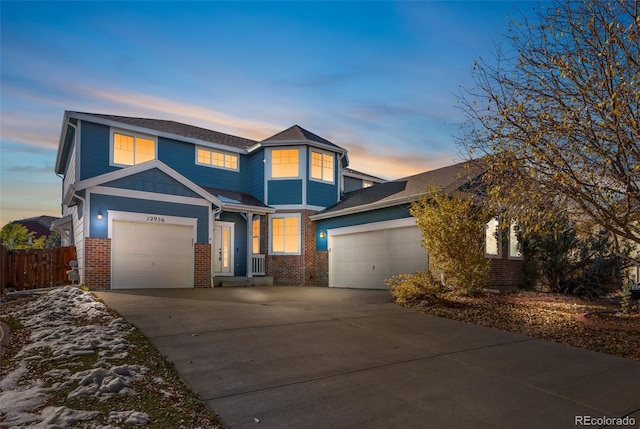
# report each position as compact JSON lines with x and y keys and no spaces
{"x":151,"y":255}
{"x":366,"y":259}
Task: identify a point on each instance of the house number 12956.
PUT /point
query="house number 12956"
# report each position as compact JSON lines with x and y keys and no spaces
{"x":155,"y":219}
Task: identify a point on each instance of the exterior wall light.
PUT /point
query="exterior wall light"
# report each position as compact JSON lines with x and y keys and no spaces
{"x":322,"y":234}
{"x":99,"y":216}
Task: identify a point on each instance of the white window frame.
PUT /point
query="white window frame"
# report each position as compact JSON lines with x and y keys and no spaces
{"x":497,"y":255}
{"x":135,"y":136}
{"x":300,"y":163}
{"x":322,"y":179}
{"x":285,"y":216}
{"x":218,"y":152}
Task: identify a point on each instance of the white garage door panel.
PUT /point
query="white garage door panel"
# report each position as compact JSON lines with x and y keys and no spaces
{"x":367,"y":259}
{"x":149,"y":255}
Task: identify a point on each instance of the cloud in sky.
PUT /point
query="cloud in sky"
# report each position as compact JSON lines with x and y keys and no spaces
{"x":378,"y":78}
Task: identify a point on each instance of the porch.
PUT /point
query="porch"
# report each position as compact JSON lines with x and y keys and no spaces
{"x":224,"y":281}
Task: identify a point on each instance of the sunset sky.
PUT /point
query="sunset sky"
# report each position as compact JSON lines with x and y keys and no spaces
{"x":377,"y":78}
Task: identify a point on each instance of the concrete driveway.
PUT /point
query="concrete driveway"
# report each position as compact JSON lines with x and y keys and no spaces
{"x":274,"y":357}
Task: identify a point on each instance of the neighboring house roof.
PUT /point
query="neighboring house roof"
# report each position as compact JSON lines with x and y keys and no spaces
{"x":179,"y":129}
{"x":360,"y":175}
{"x":404,"y":190}
{"x":40,"y":225}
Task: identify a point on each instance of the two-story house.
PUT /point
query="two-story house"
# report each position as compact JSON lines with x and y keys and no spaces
{"x":156,"y":203}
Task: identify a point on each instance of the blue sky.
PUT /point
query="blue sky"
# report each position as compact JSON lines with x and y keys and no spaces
{"x":377,"y":78}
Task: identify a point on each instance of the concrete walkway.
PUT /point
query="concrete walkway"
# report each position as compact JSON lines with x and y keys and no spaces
{"x":272,"y":357}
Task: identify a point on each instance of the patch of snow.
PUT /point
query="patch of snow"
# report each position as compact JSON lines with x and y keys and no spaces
{"x":58,"y":322}
{"x":128,"y":417}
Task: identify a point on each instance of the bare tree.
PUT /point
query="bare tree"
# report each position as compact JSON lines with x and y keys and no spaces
{"x":557,"y":114}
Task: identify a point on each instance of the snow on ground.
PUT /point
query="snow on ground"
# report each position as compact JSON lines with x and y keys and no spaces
{"x":58,"y":323}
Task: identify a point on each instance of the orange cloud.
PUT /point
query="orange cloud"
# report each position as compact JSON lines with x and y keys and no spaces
{"x":129,"y":103}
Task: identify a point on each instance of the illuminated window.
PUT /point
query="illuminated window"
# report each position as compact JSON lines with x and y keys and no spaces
{"x":255,"y":236}
{"x":515,"y":249}
{"x":367,"y":183}
{"x":215,"y":158}
{"x":322,"y":166}
{"x":284,"y":163}
{"x":132,"y":149}
{"x":492,"y":238}
{"x":285,"y":234}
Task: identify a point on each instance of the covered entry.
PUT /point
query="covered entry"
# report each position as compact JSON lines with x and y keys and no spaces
{"x":363,"y":256}
{"x":152,"y":252}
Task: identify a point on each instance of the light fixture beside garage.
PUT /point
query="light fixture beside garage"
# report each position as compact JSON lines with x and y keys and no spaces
{"x":322,"y":234}
{"x":99,"y":216}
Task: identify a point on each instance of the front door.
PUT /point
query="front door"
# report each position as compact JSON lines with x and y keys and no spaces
{"x":222,"y":249}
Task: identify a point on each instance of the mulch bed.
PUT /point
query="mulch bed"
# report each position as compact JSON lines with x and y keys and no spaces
{"x":550,"y":317}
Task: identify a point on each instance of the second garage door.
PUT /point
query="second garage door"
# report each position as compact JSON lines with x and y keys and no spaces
{"x":365,"y":259}
{"x":151,"y":255}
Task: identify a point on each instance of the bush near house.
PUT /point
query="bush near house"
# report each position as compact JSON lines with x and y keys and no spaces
{"x":412,"y":289}
{"x":452,"y":232}
{"x":561,"y":259}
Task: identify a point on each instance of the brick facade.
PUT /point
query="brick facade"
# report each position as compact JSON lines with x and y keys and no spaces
{"x":294,"y":270}
{"x":505,"y":272}
{"x":202,"y":265}
{"x":97,"y":263}
{"x":322,"y":268}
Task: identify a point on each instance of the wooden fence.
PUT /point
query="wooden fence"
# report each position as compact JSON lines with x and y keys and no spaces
{"x":26,"y":269}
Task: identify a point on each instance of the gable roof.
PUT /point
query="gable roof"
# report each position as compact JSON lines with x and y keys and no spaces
{"x":404,"y":190}
{"x":135,"y":169}
{"x":178,"y":129}
{"x":297,"y":134}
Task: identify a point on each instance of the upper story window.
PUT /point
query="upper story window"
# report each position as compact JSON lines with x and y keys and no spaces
{"x":285,"y":163}
{"x":216,"y":158}
{"x":132,"y":149}
{"x":322,"y":166}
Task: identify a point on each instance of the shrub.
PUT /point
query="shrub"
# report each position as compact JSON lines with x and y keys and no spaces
{"x":452,"y":229}
{"x":413,"y":288}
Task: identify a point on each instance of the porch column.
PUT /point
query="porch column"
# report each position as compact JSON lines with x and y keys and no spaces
{"x":249,"y":217}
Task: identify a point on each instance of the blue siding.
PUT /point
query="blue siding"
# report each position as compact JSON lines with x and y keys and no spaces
{"x":94,"y":150}
{"x":380,"y":215}
{"x":321,"y":194}
{"x":102,"y":203}
{"x":239,"y":242}
{"x":285,"y":192}
{"x":181,"y":156}
{"x":256,"y":166}
{"x":153,"y":181}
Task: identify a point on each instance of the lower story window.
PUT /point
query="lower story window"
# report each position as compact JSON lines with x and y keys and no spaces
{"x":285,"y":234}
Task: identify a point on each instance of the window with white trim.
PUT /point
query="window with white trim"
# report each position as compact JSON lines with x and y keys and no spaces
{"x":322,"y":166}
{"x":255,"y":236}
{"x":216,"y":158}
{"x":285,"y":234}
{"x":131,"y":149}
{"x":492,"y":239}
{"x":285,"y":163}
{"x":515,"y":249}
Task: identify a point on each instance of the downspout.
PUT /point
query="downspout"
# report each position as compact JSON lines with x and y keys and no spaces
{"x":340,"y":177}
